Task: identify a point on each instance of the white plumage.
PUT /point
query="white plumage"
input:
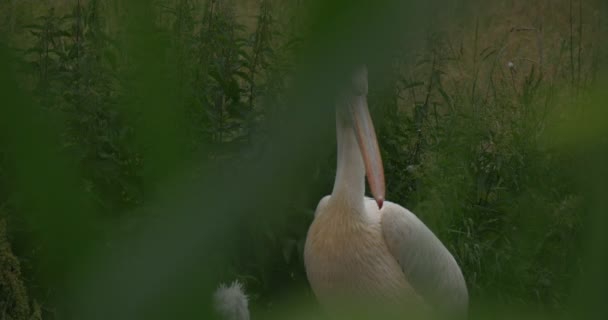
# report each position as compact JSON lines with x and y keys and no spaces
{"x":231,"y":302}
{"x":367,"y":252}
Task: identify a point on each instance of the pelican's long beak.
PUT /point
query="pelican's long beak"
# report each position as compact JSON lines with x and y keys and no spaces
{"x":368,"y":144}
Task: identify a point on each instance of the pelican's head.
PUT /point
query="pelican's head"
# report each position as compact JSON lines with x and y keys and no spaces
{"x":356,"y":105}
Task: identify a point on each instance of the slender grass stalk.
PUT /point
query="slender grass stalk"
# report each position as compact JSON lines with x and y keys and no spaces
{"x":580,"y":45}
{"x":571,"y":23}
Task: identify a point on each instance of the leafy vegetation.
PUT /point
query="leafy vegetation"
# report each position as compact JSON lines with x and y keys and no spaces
{"x":14,"y":301}
{"x":465,"y":111}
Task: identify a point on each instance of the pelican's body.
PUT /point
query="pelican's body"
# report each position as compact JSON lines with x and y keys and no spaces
{"x":349,"y":256}
{"x":369,"y":251}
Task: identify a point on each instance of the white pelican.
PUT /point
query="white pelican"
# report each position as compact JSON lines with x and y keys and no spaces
{"x":369,"y":251}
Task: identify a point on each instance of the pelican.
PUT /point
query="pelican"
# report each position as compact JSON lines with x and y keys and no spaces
{"x":370,"y":251}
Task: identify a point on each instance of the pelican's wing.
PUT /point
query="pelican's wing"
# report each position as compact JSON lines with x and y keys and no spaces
{"x":428,"y":265}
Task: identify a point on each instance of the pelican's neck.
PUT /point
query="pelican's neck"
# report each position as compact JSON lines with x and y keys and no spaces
{"x":349,"y":186}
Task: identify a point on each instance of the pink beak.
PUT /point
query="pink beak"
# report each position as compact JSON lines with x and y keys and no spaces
{"x":368,"y":144}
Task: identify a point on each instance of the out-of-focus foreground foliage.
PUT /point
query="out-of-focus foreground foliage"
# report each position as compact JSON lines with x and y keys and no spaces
{"x":114,"y":110}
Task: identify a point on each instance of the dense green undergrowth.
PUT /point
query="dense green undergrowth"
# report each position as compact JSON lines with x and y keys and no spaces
{"x":15,"y":303}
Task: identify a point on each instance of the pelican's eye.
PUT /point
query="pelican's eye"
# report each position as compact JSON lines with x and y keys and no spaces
{"x":360,"y":81}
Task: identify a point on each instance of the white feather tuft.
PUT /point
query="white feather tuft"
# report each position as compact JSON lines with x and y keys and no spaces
{"x":231,"y":301}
